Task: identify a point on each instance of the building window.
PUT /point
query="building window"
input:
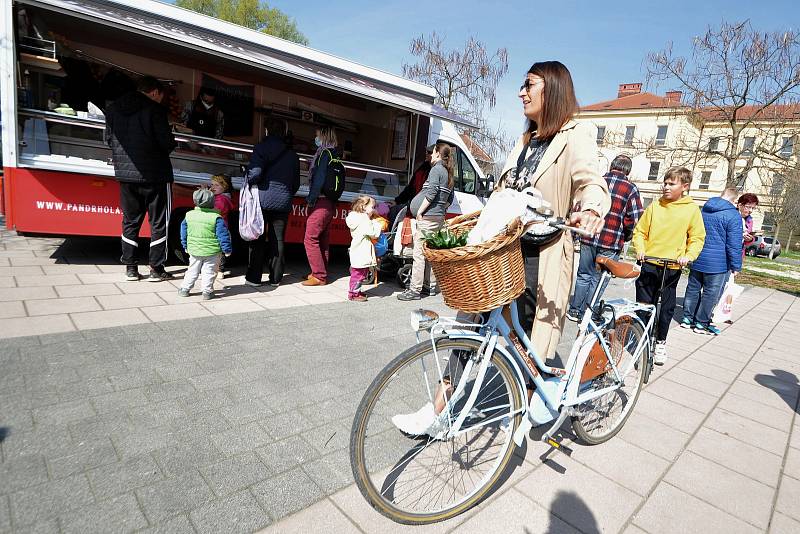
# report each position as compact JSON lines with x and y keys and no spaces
{"x":749,"y":143}
{"x":601,"y":133}
{"x":776,"y":187}
{"x":787,"y":147}
{"x":713,"y":144}
{"x":653,"y":174}
{"x":661,"y":136}
{"x":768,"y":224}
{"x":629,"y":130}
{"x":705,"y":179}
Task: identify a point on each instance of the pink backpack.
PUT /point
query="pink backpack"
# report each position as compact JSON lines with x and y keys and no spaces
{"x":251,"y":220}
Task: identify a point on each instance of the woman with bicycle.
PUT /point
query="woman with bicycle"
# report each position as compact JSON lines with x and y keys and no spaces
{"x":557,"y":156}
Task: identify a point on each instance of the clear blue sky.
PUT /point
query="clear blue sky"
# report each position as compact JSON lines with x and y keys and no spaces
{"x":602,"y":43}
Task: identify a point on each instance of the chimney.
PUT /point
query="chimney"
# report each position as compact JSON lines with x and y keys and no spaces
{"x":674,"y":97}
{"x":628,"y":89}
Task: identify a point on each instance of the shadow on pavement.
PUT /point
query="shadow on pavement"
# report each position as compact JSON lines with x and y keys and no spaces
{"x":4,"y":432}
{"x":784,"y":383}
{"x":569,"y":504}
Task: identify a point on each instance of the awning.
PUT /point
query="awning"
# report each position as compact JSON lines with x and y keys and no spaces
{"x":187,"y":28}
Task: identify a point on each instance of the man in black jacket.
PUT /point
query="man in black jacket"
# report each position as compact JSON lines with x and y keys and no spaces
{"x":138,"y":132}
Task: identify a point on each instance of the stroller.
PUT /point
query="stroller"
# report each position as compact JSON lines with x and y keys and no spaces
{"x":397,"y":259}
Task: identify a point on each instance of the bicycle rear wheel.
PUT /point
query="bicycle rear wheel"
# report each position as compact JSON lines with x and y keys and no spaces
{"x":601,"y":418}
{"x":422,"y":479}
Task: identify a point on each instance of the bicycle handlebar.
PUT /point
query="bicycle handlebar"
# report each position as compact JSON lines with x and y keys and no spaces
{"x":546,"y":216}
{"x":663,"y":261}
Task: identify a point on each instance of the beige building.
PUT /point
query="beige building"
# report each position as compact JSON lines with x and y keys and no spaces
{"x":658,"y":132}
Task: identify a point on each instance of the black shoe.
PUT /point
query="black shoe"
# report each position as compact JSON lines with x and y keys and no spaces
{"x":428,"y":292}
{"x":409,"y":295}
{"x":132,"y":273}
{"x":158,"y":274}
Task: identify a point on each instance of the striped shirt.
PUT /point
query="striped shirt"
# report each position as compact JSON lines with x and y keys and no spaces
{"x":626,"y":208}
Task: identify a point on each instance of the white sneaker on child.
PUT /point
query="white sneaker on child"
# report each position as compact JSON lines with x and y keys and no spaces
{"x":660,"y":355}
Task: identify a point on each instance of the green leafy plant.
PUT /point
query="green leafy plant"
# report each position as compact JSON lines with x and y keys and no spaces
{"x":444,"y":238}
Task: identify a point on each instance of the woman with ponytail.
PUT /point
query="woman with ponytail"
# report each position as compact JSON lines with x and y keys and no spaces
{"x":320,"y":208}
{"x":430,"y":207}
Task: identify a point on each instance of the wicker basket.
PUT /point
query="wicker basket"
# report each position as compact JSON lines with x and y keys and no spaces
{"x":479,"y":278}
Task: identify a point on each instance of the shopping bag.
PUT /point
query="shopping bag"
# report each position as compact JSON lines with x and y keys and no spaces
{"x":251,"y":220}
{"x":723,"y":311}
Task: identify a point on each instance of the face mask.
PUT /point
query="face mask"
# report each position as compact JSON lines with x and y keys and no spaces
{"x":317,"y":141}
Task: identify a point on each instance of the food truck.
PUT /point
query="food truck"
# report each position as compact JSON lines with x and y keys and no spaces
{"x":63,"y":61}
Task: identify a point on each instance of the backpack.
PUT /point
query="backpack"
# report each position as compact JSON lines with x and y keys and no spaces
{"x":334,"y":178}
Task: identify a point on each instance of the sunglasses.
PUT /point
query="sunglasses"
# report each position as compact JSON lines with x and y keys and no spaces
{"x":528,"y":83}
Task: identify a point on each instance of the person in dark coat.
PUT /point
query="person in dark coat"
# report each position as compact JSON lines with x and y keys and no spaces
{"x":138,"y":132}
{"x":721,"y":256}
{"x":275,"y":167}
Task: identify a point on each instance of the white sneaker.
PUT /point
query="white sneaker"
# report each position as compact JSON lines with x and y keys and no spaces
{"x":417,"y":423}
{"x":660,"y":355}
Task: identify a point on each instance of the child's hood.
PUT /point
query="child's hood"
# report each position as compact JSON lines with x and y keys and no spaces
{"x":681,"y":203}
{"x":354,"y":218}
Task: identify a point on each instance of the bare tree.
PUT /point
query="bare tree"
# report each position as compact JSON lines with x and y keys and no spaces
{"x":465,"y":80}
{"x":743,"y":86}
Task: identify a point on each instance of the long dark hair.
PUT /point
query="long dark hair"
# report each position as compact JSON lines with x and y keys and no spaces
{"x":558,"y":99}
{"x":446,"y":157}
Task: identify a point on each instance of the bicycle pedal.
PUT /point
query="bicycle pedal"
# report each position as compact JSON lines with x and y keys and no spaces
{"x":559,"y":446}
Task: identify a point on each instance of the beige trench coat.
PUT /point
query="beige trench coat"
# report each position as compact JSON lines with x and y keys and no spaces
{"x":568,"y":178}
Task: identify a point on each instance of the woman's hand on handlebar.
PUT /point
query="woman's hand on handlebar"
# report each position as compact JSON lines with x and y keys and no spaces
{"x":684,"y":261}
{"x":587,"y":220}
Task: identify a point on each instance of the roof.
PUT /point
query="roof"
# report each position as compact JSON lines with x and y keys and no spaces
{"x":236,"y":43}
{"x":773,"y":112}
{"x":637,"y":101}
{"x":479,"y":153}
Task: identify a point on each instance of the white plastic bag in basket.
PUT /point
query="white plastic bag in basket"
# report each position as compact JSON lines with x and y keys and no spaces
{"x":502,"y":208}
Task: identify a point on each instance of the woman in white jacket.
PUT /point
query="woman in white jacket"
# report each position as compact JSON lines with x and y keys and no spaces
{"x":363,"y":229}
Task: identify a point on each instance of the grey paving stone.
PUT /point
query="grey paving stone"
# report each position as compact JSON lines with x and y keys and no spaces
{"x":47,"y":441}
{"x":668,"y":412}
{"x":246,"y":411}
{"x":169,"y":391}
{"x":330,"y":473}
{"x":46,"y":526}
{"x":119,"y":400}
{"x":321,"y":517}
{"x":185,"y":456}
{"x":125,"y":476}
{"x":683,"y":395}
{"x":22,"y":472}
{"x":166,"y":413}
{"x":119,"y":514}
{"x":201,"y":425}
{"x":201,"y":401}
{"x":286,"y":424}
{"x":176,"y":525}
{"x":780,"y":419}
{"x":748,"y":431}
{"x":287,"y":493}
{"x":238,"y":513}
{"x":83,"y":388}
{"x":743,"y":458}
{"x":736,"y":494}
{"x":788,"y":497}
{"x":50,"y":499}
{"x":64,"y":413}
{"x":83,"y":455}
{"x":286,"y":454}
{"x":174,"y":496}
{"x":140,"y":440}
{"x":5,"y":514}
{"x":135,"y":380}
{"x":241,"y":438}
{"x":670,"y":510}
{"x":334,"y":436}
{"x":782,"y":524}
{"x":236,"y":473}
{"x":101,"y":425}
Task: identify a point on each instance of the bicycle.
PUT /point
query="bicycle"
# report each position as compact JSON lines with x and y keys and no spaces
{"x":433,"y":476}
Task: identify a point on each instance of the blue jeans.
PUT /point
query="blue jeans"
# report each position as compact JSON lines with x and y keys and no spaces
{"x":588,"y":277}
{"x":697,"y":308}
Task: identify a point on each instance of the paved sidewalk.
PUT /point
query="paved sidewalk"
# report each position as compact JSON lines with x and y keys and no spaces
{"x":240,"y":422}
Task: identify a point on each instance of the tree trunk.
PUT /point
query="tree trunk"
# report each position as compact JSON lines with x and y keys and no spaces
{"x":774,"y":240}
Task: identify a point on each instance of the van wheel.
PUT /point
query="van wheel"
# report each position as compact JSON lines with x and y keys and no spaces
{"x":404,"y":275}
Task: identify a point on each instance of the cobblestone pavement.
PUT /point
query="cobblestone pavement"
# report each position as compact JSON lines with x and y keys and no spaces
{"x":235,"y":423}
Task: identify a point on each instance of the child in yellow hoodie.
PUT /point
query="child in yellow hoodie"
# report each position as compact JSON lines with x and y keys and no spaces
{"x":670,"y":228}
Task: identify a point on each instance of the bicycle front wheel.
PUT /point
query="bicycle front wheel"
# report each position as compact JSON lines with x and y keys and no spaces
{"x":428,"y":478}
{"x":601,"y":418}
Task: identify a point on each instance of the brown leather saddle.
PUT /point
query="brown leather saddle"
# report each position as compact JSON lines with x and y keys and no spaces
{"x":619,"y":269}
